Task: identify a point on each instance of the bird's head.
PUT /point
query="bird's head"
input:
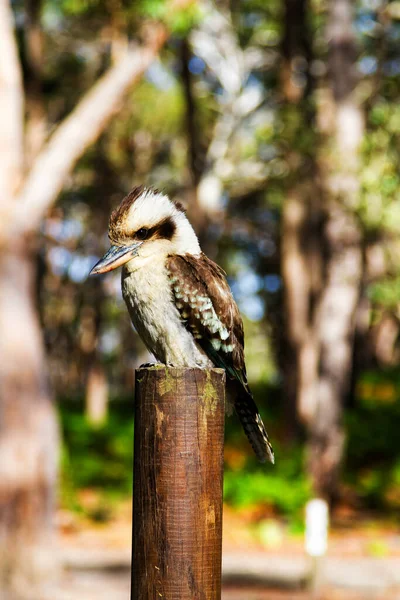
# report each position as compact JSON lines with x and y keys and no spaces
{"x":146,"y":225}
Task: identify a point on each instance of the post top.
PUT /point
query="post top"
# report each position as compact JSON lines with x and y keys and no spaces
{"x":179,"y":371}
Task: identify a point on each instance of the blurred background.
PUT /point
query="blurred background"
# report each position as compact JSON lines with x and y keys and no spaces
{"x":277,"y":125}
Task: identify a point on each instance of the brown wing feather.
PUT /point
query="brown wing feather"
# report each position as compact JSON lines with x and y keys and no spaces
{"x":206,"y":305}
{"x":205,"y":279}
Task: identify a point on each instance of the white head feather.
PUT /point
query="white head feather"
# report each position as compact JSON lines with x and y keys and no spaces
{"x":149,"y":209}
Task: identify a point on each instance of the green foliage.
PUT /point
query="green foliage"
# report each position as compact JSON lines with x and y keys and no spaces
{"x":100,"y":458}
{"x":385,"y":292}
{"x":380,"y":181}
{"x":283,"y":486}
{"x":373,"y":447}
{"x":97,"y":457}
{"x":159,"y":112}
{"x":178,"y":19}
{"x":80,"y":7}
{"x":373,"y":423}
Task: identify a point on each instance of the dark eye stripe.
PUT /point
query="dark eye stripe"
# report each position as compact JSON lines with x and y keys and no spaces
{"x":166,"y":229}
{"x":163,"y":230}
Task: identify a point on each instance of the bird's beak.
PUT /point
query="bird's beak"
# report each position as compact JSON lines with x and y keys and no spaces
{"x":115,"y":257}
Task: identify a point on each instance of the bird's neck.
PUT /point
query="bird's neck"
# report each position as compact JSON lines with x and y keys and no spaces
{"x":185,"y":240}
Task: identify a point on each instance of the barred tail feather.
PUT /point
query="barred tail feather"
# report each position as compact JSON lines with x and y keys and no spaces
{"x":253,"y":426}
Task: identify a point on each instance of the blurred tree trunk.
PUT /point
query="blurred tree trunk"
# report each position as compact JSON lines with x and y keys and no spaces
{"x":321,"y":242}
{"x":36,"y":118}
{"x":197,"y":213}
{"x":302,"y":276}
{"x":96,"y":400}
{"x":28,"y":427}
{"x":301,"y":222}
{"x":28,"y":431}
{"x":96,"y":396}
{"x":343,"y":263}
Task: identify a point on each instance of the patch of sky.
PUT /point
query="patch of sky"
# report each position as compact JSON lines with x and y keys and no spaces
{"x":60,"y":259}
{"x":112,"y":284}
{"x":110,"y":340}
{"x":61,"y":231}
{"x":367,"y":65}
{"x":80,"y":267}
{"x":263,"y":215}
{"x":52,"y":18}
{"x":365,"y":24}
{"x":72,"y":228}
{"x":251,"y":19}
{"x":393,"y":32}
{"x":245,"y":289}
{"x":254,"y":81}
{"x":267,"y":152}
{"x":248,"y":283}
{"x":224,"y":200}
{"x":159,"y":76}
{"x":196,"y":65}
{"x":272,"y":283}
{"x":267,"y":247}
{"x":391,"y":67}
{"x":20,"y":19}
{"x":253,"y":308}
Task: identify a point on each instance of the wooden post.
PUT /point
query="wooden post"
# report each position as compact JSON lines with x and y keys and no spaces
{"x":178,"y":473}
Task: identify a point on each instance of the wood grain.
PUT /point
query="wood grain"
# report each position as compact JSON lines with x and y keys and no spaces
{"x":178,"y":477}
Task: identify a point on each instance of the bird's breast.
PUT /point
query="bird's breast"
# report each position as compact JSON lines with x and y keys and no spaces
{"x":147,"y":294}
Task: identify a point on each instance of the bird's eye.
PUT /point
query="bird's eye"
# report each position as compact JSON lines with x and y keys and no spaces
{"x":142,"y":233}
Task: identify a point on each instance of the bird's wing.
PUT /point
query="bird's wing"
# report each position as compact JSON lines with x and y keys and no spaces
{"x":206,"y":306}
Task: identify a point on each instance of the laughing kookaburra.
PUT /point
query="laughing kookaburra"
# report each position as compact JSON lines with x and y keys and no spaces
{"x":179,"y":300}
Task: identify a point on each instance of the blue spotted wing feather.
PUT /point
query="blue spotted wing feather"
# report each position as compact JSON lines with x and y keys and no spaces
{"x":206,"y":306}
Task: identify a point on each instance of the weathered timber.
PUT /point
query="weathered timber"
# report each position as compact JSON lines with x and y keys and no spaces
{"x":178,"y":477}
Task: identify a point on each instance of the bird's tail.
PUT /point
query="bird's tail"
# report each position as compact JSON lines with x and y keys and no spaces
{"x":253,"y":426}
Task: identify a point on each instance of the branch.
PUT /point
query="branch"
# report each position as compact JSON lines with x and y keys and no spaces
{"x":73,"y":136}
{"x":215,"y":41}
{"x":11,"y":106}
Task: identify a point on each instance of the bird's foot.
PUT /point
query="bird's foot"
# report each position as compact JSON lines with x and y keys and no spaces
{"x":148,"y":365}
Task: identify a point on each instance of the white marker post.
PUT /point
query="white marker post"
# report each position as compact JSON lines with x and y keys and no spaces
{"x":316,"y":540}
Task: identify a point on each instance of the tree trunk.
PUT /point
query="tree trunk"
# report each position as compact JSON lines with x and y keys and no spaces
{"x":343,"y":265}
{"x":321,"y":250}
{"x":96,"y":401}
{"x":301,"y":218}
{"x":197,"y":213}
{"x":336,"y":325}
{"x":301,"y":273}
{"x":28,"y":434}
{"x":36,"y":117}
